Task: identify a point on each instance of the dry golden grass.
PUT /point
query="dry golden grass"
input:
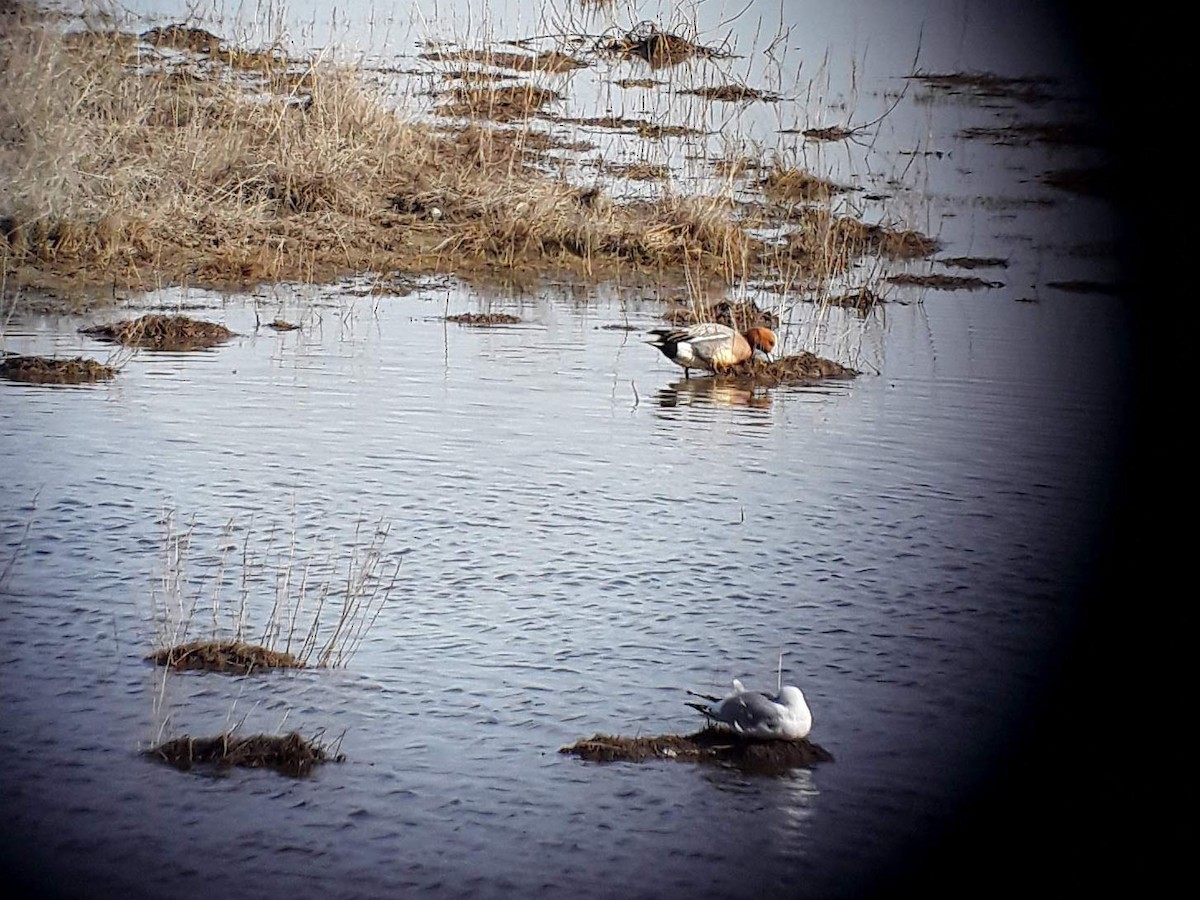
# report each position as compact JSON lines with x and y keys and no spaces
{"x":122,"y":172}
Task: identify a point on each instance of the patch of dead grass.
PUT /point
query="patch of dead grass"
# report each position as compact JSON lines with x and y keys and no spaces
{"x":506,"y":103}
{"x":484,"y":319}
{"x":290,"y":754}
{"x":123,"y":179}
{"x":161,"y":332}
{"x":48,"y":370}
{"x":230,"y":657}
{"x":659,"y":48}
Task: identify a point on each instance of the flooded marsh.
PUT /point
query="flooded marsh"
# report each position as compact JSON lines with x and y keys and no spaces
{"x":413,"y":492}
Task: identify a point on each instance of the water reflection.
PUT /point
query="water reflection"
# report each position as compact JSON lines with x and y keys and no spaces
{"x":713,"y":391}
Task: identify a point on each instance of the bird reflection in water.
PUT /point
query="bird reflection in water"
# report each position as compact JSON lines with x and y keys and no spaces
{"x":713,"y":391}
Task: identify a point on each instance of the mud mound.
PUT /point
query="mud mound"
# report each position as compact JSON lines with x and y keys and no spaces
{"x":943,"y":282}
{"x":158,"y":332}
{"x":232,"y":657}
{"x":659,"y":48}
{"x":800,"y":368}
{"x":508,"y":103}
{"x":711,"y":746}
{"x":44,"y":370}
{"x":484,"y":319}
{"x":862,"y":300}
{"x":289,"y":754}
{"x":732,"y":93}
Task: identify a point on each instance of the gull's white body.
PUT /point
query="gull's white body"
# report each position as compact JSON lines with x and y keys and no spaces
{"x":782,"y":716}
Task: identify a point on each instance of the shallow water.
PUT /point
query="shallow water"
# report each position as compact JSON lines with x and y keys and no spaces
{"x":583,"y":536}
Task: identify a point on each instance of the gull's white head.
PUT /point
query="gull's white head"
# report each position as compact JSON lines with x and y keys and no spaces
{"x":793,"y":700}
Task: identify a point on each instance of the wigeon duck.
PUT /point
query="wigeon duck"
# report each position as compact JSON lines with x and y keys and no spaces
{"x":710,"y":346}
{"x":754,"y":714}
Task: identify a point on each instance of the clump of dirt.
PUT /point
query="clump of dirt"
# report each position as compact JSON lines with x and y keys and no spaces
{"x":831,"y":242}
{"x":283,"y":325}
{"x":484,"y":319}
{"x":518,"y":62}
{"x":739,"y":316}
{"x":659,"y":48}
{"x":863,"y":300}
{"x":942,"y":282}
{"x":832,"y":133}
{"x":986,"y":85}
{"x":182,"y":37}
{"x":472,"y":75}
{"x":161,"y":332}
{"x":232,"y":657}
{"x":799,"y":368}
{"x":638,"y":171}
{"x":289,"y":754}
{"x":507,"y":103}
{"x":732,"y":93}
{"x":974,"y":262}
{"x":47,"y":370}
{"x":711,"y":746}
{"x":799,"y":186}
{"x":642,"y":127}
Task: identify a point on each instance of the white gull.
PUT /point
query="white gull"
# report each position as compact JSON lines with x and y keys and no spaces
{"x":756,"y":714}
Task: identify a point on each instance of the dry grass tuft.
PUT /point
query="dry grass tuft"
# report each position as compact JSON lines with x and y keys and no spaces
{"x":732,"y":93}
{"x":659,"y":48}
{"x":289,"y":754}
{"x":159,"y":332}
{"x":507,"y":103}
{"x":798,"y":186}
{"x":800,"y":368}
{"x":232,"y":657}
{"x":45,"y":370}
{"x":484,"y":319}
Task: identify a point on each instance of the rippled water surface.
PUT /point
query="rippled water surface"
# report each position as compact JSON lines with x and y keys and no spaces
{"x":582,"y":536}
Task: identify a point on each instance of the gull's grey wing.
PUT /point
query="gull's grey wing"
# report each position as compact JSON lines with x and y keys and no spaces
{"x":749,"y":711}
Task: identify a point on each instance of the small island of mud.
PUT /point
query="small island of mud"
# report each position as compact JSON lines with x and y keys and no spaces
{"x":232,"y":657}
{"x":710,"y":746}
{"x":47,"y":370}
{"x":796,"y":368}
{"x":484,"y":319}
{"x":289,"y":754}
{"x":159,"y":332}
